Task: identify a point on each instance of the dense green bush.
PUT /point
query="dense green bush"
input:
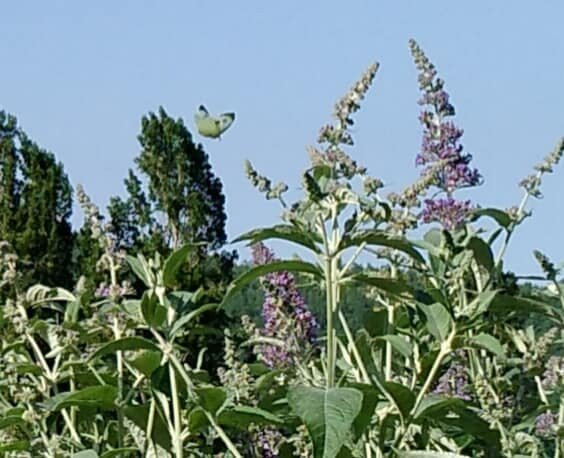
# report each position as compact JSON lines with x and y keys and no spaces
{"x":446,"y":356}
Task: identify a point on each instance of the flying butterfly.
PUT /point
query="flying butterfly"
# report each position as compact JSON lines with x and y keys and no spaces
{"x":212,"y":127}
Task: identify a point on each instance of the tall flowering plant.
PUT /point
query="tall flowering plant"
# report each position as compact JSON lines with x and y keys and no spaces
{"x":434,"y":355}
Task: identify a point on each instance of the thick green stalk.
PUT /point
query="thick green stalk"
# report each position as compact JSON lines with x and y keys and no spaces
{"x":177,"y":436}
{"x":330,"y":306}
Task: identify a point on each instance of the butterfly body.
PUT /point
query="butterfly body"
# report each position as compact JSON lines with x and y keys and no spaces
{"x":210,"y":126}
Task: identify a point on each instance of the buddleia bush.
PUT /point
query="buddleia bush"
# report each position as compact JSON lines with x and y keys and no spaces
{"x":451,"y":359}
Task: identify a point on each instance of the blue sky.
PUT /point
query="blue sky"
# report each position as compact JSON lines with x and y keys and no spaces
{"x":79,"y":76}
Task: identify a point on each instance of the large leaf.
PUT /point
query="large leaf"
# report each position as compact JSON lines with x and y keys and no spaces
{"x":153,"y":313}
{"x":502,"y":218}
{"x":259,"y":271}
{"x":398,"y":343}
{"x":242,"y":416}
{"x":504,"y":303}
{"x":426,"y":454}
{"x":281,"y":231}
{"x":433,"y":406}
{"x":140,"y":414}
{"x":86,"y":454}
{"x":174,"y":262}
{"x":99,"y":396}
{"x":141,"y":268}
{"x":147,"y":361}
{"x":120,"y":452}
{"x":391,"y":286}
{"x":488,"y":342}
{"x":481,"y":303}
{"x":482,"y":253}
{"x":438,"y":320}
{"x":327,"y":414}
{"x":124,"y":344}
{"x":211,"y":399}
{"x":16,"y":446}
{"x":370,"y":398}
{"x":179,"y":323}
{"x":381,"y":238}
{"x":403,"y":397}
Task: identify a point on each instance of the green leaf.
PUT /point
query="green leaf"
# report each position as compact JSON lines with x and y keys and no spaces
{"x":482,"y":253}
{"x":388,"y":285}
{"x":242,"y":416}
{"x":125,"y":344}
{"x":185,"y":319}
{"x":197,"y":420}
{"x":381,"y":238}
{"x":504,"y":303}
{"x":11,"y":420}
{"x":120,"y":452}
{"x":140,"y":414}
{"x":99,"y":396}
{"x":370,"y":398}
{"x":259,"y":271}
{"x":434,"y":405}
{"x":502,"y":218}
{"x":481,"y":303}
{"x":488,"y":342}
{"x":174,"y":262}
{"x":211,"y":399}
{"x":399,"y":343}
{"x":426,"y":454}
{"x":153,"y":313}
{"x":86,"y":454}
{"x":327,"y":414}
{"x":438,"y":320}
{"x":147,"y":362}
{"x":16,"y":446}
{"x":142,"y":270}
{"x":283,"y":232}
{"x":403,"y":397}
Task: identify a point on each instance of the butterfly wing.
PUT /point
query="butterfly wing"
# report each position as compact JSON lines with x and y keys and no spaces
{"x":225,"y":121}
{"x":206,"y":125}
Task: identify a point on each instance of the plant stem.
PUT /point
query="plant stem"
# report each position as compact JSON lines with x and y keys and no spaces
{"x":177,"y":436}
{"x":388,"y":373}
{"x":224,"y":437}
{"x":331,"y":347}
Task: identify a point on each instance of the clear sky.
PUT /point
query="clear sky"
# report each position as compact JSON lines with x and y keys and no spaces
{"x":79,"y":76}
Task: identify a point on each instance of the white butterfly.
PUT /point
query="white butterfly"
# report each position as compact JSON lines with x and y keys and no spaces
{"x":208,"y":126}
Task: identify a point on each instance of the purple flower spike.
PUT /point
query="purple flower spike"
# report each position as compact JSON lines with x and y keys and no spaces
{"x":285,"y":314}
{"x":441,"y":143}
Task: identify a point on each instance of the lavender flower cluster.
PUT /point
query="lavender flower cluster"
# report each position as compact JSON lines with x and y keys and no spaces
{"x":286,"y":315}
{"x":441,"y":143}
{"x":454,"y":383}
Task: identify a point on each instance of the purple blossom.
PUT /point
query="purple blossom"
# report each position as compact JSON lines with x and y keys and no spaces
{"x":285,"y":314}
{"x":454,"y":383}
{"x":268,"y":440}
{"x":544,"y":424}
{"x":441,"y":142}
{"x":449,"y":212}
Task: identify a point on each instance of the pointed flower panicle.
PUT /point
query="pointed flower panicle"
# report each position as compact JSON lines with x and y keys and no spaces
{"x":263,"y":184}
{"x":441,"y":145}
{"x":285,"y":314}
{"x":532,"y":183}
{"x":338,"y":134}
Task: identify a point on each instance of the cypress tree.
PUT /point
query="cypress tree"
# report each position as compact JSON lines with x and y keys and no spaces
{"x":35,"y":207}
